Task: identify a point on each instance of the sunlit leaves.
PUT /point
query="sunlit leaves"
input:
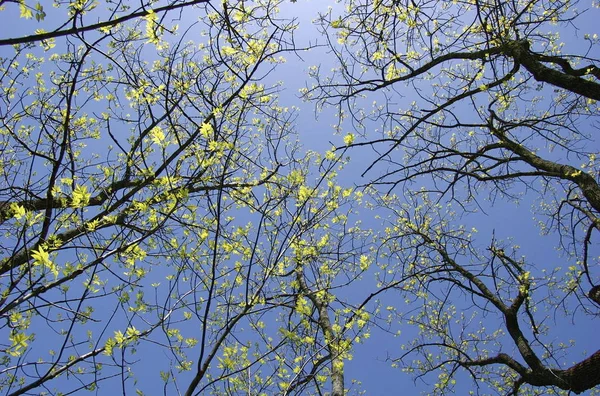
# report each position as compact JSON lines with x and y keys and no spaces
{"x":158,"y":136}
{"x":81,"y":196}
{"x":41,"y":257}
{"x":17,"y":210}
{"x":153,"y":30}
{"x":24,"y":10}
{"x":349,"y":139}
{"x":461,"y":124}
{"x":364,"y":262}
{"x":19,"y":342}
{"x":206,"y":130}
{"x":135,"y":183}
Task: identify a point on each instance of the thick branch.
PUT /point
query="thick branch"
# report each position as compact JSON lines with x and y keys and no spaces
{"x":587,"y":184}
{"x":570,"y":81}
{"x":583,"y":375}
{"x":579,"y":378}
{"x":512,"y":325}
{"x":113,"y":22}
{"x":42,"y":204}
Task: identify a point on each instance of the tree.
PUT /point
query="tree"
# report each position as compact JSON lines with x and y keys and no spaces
{"x":497,"y":109}
{"x":163,"y":226}
{"x":155,"y":203}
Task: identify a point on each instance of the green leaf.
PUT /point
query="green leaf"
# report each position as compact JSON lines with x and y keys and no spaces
{"x":25,"y":10}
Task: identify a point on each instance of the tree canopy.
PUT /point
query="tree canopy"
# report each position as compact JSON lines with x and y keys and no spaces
{"x":165,"y":230}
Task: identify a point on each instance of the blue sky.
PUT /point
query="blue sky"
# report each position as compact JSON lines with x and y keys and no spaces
{"x":502,"y":220}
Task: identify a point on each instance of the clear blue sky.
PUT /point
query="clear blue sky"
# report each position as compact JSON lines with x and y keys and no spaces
{"x":504,"y":220}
